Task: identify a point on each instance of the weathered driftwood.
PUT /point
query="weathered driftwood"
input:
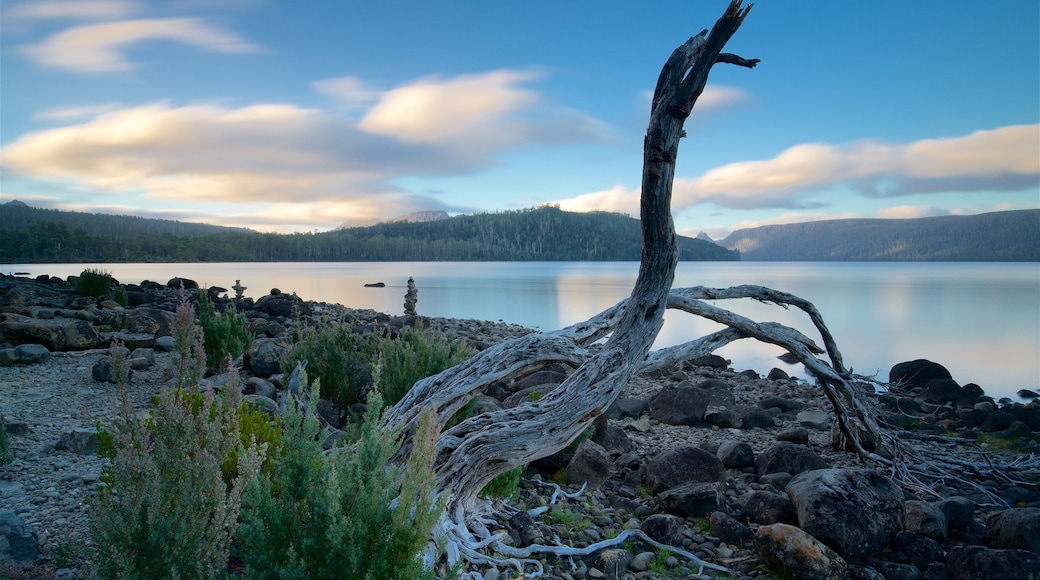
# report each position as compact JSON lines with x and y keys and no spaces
{"x":475,"y":451}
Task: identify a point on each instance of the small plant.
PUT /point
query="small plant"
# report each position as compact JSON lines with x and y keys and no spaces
{"x":333,"y":360}
{"x":224,"y":334}
{"x":504,"y":485}
{"x":534,"y":395}
{"x":120,"y":296}
{"x":353,"y":515}
{"x":415,"y":354}
{"x":26,"y":571}
{"x":659,"y":565}
{"x":93,"y":282}
{"x":5,"y":447}
{"x":167,"y":511}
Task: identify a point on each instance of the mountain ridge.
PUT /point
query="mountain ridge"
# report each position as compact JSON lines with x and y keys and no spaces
{"x":1004,"y":236}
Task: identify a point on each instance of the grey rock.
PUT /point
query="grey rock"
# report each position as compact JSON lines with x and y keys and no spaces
{"x":681,"y":465}
{"x":1016,"y":528}
{"x":632,"y":407}
{"x":18,"y":541}
{"x":915,"y":374}
{"x":926,"y":519}
{"x":788,"y":457}
{"x":897,"y":571}
{"x":974,"y":562}
{"x":80,"y":441}
{"x":679,"y":405}
{"x":814,"y":419}
{"x":664,"y":528}
{"x":32,"y":353}
{"x":258,"y":386}
{"x":959,"y":512}
{"x":729,"y":529}
{"x":590,"y":463}
{"x":263,"y":403}
{"x":165,"y":343}
{"x":693,"y":499}
{"x":641,"y":561}
{"x":613,"y":562}
{"x":613,"y":439}
{"x":8,"y":357}
{"x":754,"y":417}
{"x":784,"y":404}
{"x":791,"y":551}
{"x":798,"y":435}
{"x":735,"y":454}
{"x":264,"y":357}
{"x":857,"y":512}
{"x":725,"y":419}
{"x":763,"y":507}
{"x":104,"y":372}
{"x":922,"y":551}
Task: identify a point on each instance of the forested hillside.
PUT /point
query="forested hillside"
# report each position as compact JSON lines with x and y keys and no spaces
{"x":1009,"y":236}
{"x":541,"y":234}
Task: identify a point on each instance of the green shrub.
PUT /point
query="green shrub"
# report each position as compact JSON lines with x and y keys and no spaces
{"x":93,"y":282}
{"x":5,"y":447}
{"x":415,"y":354}
{"x":167,"y":511}
{"x":504,"y":485}
{"x":224,"y":333}
{"x":335,"y":517}
{"x":331,"y":352}
{"x":121,"y":297}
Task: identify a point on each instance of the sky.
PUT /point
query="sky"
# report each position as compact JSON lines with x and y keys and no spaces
{"x":292,"y":116}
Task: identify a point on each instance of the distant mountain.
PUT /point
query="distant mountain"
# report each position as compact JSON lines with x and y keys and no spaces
{"x":1007,"y":236}
{"x":30,"y":235}
{"x":17,"y":216}
{"x":422,"y":216}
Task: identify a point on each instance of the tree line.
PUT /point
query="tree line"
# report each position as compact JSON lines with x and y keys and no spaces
{"x":542,"y":234}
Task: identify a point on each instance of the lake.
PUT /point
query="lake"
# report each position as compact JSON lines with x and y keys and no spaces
{"x":980,"y":320}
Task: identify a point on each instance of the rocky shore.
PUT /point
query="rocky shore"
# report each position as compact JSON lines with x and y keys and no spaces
{"x":740,"y":470}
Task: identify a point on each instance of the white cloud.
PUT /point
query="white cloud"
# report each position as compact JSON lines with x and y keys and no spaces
{"x":78,"y":112}
{"x":1003,"y":159}
{"x":98,"y":48}
{"x":348,"y":92}
{"x":74,"y":9}
{"x":263,"y":155}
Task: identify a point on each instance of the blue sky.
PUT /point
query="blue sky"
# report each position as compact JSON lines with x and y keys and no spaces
{"x":301,"y":116}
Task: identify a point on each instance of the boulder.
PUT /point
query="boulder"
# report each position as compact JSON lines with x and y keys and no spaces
{"x":18,"y":541}
{"x":590,"y":463}
{"x":797,"y":435}
{"x":527,"y":394}
{"x":610,"y":562}
{"x":264,"y":357}
{"x":664,"y":528}
{"x":857,"y":512}
{"x":764,"y":507}
{"x":149,"y":321}
{"x":814,"y":419}
{"x":693,"y":499}
{"x":897,"y":571}
{"x":940,"y":391}
{"x":729,"y":529}
{"x":104,"y":372}
{"x":613,"y":439}
{"x":723,"y":419}
{"x":9,"y":356}
{"x":915,"y":374}
{"x":79,"y":441}
{"x":921,"y":551}
{"x":59,"y":334}
{"x":754,"y":417}
{"x":32,"y":353}
{"x":794,"y":553}
{"x":1016,"y":528}
{"x":974,"y":562}
{"x":679,"y":405}
{"x":926,"y":519}
{"x":278,"y":304}
{"x":784,"y":457}
{"x":784,"y":404}
{"x":682,"y":465}
{"x":735,"y":454}
{"x":959,"y":512}
{"x":630,"y":407}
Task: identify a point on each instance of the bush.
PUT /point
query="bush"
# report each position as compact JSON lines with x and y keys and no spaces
{"x":504,"y":485}
{"x":5,"y":447}
{"x":351,"y":515}
{"x":331,"y":352}
{"x":224,"y":333}
{"x":167,"y":511}
{"x":93,"y":282}
{"x":415,"y":354}
{"x":120,"y":296}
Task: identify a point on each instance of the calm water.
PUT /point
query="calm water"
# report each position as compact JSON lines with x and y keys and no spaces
{"x":981,"y":321}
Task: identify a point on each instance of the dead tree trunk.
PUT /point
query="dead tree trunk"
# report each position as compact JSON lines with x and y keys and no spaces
{"x":472,"y":453}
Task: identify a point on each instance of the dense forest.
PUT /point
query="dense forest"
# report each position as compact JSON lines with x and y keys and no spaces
{"x":1007,"y":236}
{"x":542,"y":234}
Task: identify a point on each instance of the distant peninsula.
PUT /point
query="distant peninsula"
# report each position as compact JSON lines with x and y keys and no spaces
{"x":1004,"y":236}
{"x":31,"y":235}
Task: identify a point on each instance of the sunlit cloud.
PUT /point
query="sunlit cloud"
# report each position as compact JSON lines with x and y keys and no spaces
{"x":911,"y":211}
{"x":350,"y":93}
{"x":1003,"y":159}
{"x":79,"y":112}
{"x":713,"y":98}
{"x":285,"y":163}
{"x":75,"y":9}
{"x":97,"y":48}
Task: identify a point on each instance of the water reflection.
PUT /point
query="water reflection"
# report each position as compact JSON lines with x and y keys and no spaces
{"x":982,"y":321}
